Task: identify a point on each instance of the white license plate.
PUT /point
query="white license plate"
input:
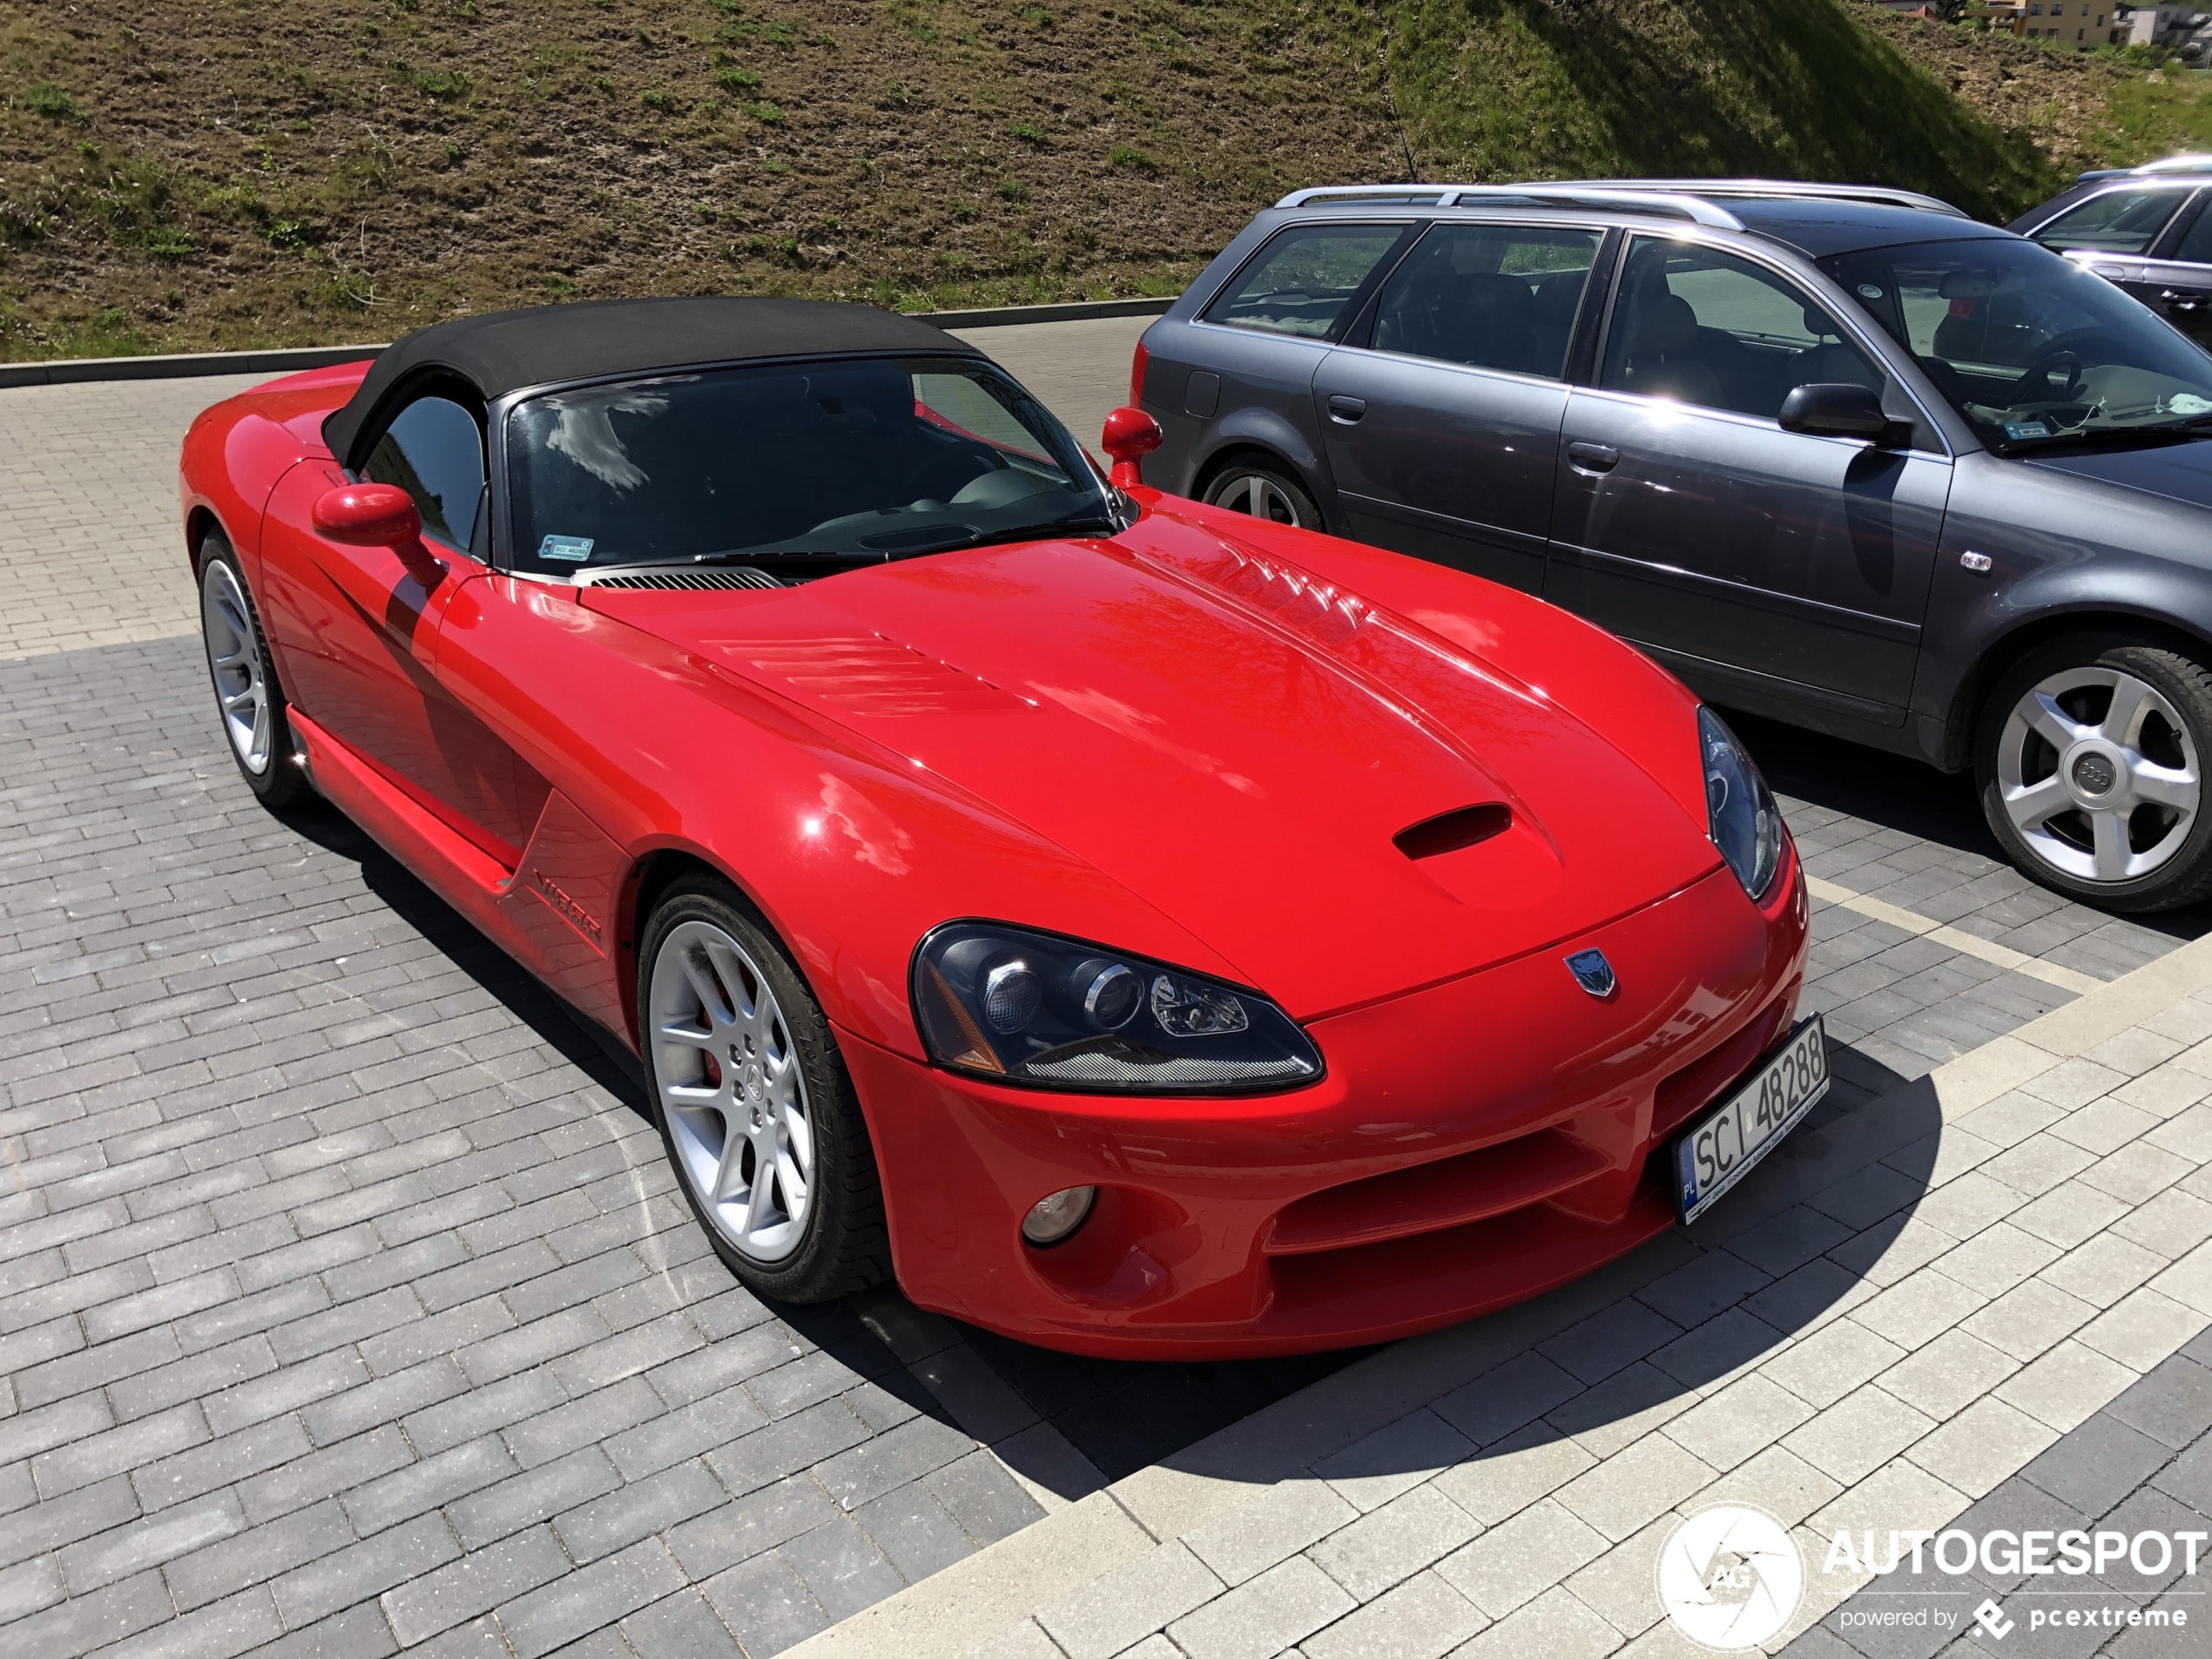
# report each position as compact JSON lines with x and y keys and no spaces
{"x":1719,"y":1149}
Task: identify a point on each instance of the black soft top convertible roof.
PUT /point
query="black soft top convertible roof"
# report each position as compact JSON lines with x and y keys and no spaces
{"x":504,"y":351}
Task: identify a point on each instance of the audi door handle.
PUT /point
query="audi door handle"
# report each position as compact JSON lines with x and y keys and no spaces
{"x":1593,"y":457}
{"x":1347,"y":411}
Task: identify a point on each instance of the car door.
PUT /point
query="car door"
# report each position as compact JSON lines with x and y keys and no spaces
{"x":1756,"y":562}
{"x":356,"y":628}
{"x":1240,"y":377}
{"x":2174,"y":277}
{"x":2154,"y":240}
{"x":1441,"y":425}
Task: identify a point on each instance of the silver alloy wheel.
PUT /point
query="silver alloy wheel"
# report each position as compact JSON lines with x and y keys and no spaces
{"x":226,"y":626}
{"x":1261,"y":496}
{"x":2099,"y":774}
{"x":732,"y":1090}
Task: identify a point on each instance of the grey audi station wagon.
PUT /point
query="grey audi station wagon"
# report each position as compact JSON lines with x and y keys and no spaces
{"x":1841,"y":456}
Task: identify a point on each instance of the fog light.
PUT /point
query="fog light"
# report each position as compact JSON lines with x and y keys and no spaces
{"x":1051,"y":1219}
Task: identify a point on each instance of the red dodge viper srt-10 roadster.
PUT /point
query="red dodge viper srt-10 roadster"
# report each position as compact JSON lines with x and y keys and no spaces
{"x":1141,"y":928}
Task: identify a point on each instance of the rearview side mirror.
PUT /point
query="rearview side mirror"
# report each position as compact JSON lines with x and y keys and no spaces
{"x":367,"y":515}
{"x":1130,"y":435}
{"x":1835,"y":410}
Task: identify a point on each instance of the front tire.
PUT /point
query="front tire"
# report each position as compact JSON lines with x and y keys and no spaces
{"x":248,"y":700}
{"x":2090,"y":762}
{"x":757,"y":1112}
{"x":1264,"y":491}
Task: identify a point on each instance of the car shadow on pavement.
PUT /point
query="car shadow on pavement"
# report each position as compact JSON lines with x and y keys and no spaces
{"x":1068,"y":1424}
{"x":1798,"y":1243}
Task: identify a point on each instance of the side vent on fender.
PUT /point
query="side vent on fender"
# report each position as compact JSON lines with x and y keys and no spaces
{"x":739,"y":577}
{"x":1449,"y":832}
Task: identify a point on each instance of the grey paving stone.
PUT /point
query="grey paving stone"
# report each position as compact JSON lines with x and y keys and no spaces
{"x":913,"y":1531}
{"x":535,"y":1495}
{"x":982,"y":1497}
{"x":682,"y":1626}
{"x":875,"y":1466}
{"x":751,"y":1525}
{"x":253,"y":1557}
{"x":766,"y":1605}
{"x":2091,"y":1468}
{"x":479,"y":1581}
{"x":589,"y":1598}
{"x":840,"y":1566}
{"x":637,"y":1509}
{"x":409,"y":1492}
{"x":797,"y":1443}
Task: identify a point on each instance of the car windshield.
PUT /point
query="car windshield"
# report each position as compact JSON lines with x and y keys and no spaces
{"x":802,"y":468}
{"x":2035,"y":351}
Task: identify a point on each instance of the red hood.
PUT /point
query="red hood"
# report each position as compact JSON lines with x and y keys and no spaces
{"x":1234,"y":742}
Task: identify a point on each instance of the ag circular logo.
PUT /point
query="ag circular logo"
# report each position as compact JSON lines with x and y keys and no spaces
{"x":1729,"y":1576}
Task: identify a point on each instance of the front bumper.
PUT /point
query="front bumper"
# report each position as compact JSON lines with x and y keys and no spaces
{"x":1473,"y":1144}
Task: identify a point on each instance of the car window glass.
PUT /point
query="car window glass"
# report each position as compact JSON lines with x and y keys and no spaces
{"x":2196,"y":246}
{"x":2120,"y":221}
{"x":1492,"y":296}
{"x":2028,"y":346}
{"x":1706,"y":328}
{"x":434,"y":451}
{"x":804,"y":468}
{"x":1304,"y":279}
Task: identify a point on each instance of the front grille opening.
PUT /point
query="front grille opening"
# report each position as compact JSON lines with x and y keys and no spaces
{"x":1449,"y":832}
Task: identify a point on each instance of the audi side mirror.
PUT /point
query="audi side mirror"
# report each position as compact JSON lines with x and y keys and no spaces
{"x":367,"y":515}
{"x":1835,"y":410}
{"x":1130,"y":435}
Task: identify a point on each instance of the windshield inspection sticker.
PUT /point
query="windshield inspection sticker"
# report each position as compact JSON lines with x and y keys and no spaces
{"x":573,"y":549}
{"x":1870,"y":291}
{"x":2012,"y":429}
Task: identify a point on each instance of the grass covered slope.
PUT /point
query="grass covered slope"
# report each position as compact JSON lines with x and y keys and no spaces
{"x":178,"y":174}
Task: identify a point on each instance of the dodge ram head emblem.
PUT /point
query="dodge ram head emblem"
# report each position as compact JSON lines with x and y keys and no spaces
{"x":1593,"y":973}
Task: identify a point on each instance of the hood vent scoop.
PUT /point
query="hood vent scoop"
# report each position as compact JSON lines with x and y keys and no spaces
{"x":739,"y":576}
{"x":1449,"y":832}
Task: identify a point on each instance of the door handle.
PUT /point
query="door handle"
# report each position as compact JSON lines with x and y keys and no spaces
{"x":1593,"y":457}
{"x":2183,"y":299}
{"x":1347,"y":411}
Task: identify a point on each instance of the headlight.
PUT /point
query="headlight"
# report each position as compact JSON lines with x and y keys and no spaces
{"x":1740,"y":813}
{"x":1028,"y":1008}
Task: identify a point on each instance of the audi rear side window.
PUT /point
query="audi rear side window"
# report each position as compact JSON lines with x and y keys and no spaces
{"x":1489,"y":296}
{"x":1304,"y":280}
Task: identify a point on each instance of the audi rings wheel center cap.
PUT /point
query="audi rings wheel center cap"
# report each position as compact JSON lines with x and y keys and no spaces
{"x":2093,"y":772}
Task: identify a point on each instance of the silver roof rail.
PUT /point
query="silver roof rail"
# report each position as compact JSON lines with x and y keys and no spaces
{"x":1883,"y":195}
{"x":1673,"y":204}
{"x":2193,"y":162}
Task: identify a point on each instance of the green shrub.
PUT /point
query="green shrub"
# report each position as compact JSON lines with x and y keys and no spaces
{"x":743,"y":79}
{"x":768,"y":114}
{"x":658,"y":98}
{"x":47,"y":99}
{"x":1028,"y":132}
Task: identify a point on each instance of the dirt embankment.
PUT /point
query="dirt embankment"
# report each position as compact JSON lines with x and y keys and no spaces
{"x":177,"y":174}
